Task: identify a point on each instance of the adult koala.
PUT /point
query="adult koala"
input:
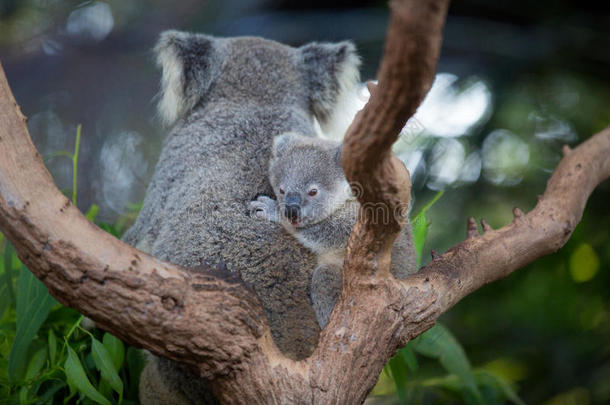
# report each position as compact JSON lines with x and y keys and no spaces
{"x":229,"y":97}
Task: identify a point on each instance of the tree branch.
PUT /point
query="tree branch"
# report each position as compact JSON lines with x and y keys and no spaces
{"x":412,"y":48}
{"x":479,"y":260}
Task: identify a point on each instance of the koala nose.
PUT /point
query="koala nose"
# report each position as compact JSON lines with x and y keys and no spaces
{"x":293,"y":206}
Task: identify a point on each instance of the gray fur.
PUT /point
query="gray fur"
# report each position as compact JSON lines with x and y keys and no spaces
{"x":331,"y":71}
{"x":298,"y":165}
{"x":229,"y":98}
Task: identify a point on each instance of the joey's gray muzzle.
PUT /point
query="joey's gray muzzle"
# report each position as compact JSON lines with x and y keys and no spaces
{"x":293,"y":206}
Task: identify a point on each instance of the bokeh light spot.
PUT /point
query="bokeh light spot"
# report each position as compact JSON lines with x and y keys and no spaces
{"x":584,"y":263}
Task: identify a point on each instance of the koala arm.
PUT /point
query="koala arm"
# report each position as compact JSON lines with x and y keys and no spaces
{"x":403,"y":254}
{"x":325,"y":290}
{"x":265,"y":208}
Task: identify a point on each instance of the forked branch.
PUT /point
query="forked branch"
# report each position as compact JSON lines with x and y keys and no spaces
{"x":215,"y":325}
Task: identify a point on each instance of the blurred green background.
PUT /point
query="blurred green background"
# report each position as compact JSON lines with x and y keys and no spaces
{"x":516,"y":81}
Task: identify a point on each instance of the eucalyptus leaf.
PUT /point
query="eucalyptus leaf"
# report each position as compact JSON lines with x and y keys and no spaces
{"x":52,"y":342}
{"x":500,"y":384}
{"x":23,"y":396}
{"x":5,"y":297}
{"x":408,"y":356}
{"x":7,"y":271}
{"x":92,"y":212}
{"x":116,"y":349}
{"x":419,"y":225}
{"x":51,"y":390}
{"x":36,"y":363}
{"x":104,"y":364}
{"x":77,"y":378}
{"x":135,"y":365}
{"x":439,"y":343}
{"x":33,"y":305}
{"x":398,"y":368}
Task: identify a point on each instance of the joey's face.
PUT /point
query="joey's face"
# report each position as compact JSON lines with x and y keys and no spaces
{"x":309,"y":184}
{"x":305,"y":203}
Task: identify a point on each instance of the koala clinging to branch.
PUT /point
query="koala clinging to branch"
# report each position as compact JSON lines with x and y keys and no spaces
{"x":316,"y":205}
{"x":228,"y":98}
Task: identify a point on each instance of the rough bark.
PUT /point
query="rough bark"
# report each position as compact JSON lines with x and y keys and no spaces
{"x":215,"y":325}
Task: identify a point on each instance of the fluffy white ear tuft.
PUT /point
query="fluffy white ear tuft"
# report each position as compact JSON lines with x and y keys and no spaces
{"x":171,"y":101}
{"x":188,"y":63}
{"x":334,"y":78}
{"x":343,"y":111}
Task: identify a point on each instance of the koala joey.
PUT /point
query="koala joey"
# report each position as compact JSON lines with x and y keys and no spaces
{"x":227,"y":99}
{"x":316,"y":205}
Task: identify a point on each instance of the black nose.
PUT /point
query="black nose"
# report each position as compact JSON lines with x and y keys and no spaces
{"x":292,"y":212}
{"x":293,"y":206}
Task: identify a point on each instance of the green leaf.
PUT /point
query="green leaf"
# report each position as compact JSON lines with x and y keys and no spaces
{"x":52,"y":341}
{"x":77,"y":378}
{"x":23,"y":396}
{"x":75,"y":163}
{"x":398,"y":369}
{"x":36,"y":363}
{"x":116,"y":349}
{"x":7,"y":271}
{"x":92,"y":212}
{"x":135,"y":365}
{"x":420,"y":227}
{"x":408,"y":356}
{"x":5,"y":298}
{"x":3,"y":372}
{"x":500,"y":384}
{"x":33,"y":305}
{"x":440,"y":344}
{"x":104,"y":388}
{"x":111,"y":229}
{"x":62,"y":316}
{"x":104,"y":364}
{"x":49,"y":392}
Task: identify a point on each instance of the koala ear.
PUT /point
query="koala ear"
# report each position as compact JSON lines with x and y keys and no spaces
{"x":332,"y":74}
{"x":189,"y":64}
{"x":284,"y":142}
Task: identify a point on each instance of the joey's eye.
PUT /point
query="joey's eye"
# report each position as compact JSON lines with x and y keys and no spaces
{"x":313,"y":192}
{"x":281,"y":191}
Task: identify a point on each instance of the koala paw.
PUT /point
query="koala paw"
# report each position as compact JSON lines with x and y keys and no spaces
{"x":263,"y":207}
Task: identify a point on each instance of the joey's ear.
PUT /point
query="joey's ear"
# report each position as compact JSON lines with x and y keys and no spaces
{"x":286,"y":141}
{"x":189,"y":64}
{"x":331,"y":71}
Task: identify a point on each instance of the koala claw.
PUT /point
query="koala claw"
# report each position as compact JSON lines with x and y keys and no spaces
{"x":263,"y":207}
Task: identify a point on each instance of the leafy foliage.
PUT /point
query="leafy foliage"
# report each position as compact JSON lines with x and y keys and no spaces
{"x":33,"y":306}
{"x":46,"y":356}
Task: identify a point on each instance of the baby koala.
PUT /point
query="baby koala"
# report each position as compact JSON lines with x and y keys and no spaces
{"x":316,"y":205}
